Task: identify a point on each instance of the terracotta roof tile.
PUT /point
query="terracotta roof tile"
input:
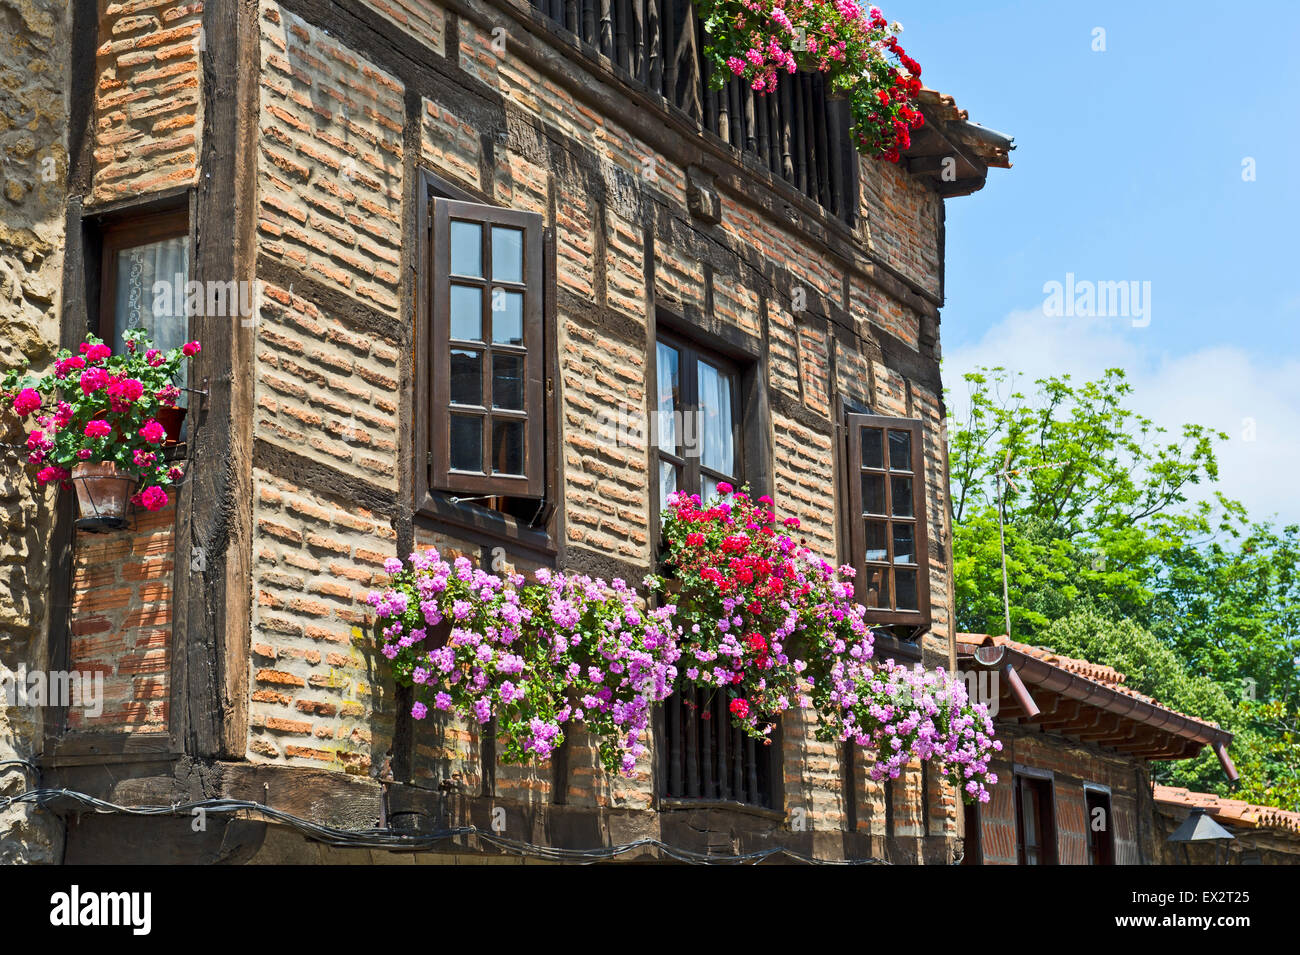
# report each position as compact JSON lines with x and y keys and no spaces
{"x":992,"y":147}
{"x":1098,"y":673}
{"x":1231,"y":811}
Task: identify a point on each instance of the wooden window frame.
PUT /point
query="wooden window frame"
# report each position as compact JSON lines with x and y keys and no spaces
{"x":1046,"y":847}
{"x":690,"y":353}
{"x":534,"y":536}
{"x":886,"y":616}
{"x":531,"y":483}
{"x":129,"y":232}
{"x":1095,"y":793}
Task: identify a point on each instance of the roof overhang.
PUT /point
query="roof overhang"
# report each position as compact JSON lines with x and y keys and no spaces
{"x":1090,"y":711}
{"x":1179,"y":803}
{"x":952,"y":153}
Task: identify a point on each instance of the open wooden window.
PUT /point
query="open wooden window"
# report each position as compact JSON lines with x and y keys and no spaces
{"x":487,"y":351}
{"x":1035,"y":821}
{"x":887,"y":533}
{"x":146,"y":265}
{"x":696,"y":432}
{"x":696,"y":428}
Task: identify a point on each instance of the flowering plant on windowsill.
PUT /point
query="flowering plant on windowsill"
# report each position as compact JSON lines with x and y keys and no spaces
{"x":856,"y":49}
{"x":754,"y":615}
{"x":773,"y":625}
{"x":535,"y":656}
{"x":757,"y":609}
{"x":99,"y":408}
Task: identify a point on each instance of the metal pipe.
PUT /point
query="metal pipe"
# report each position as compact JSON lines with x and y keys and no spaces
{"x":1021,"y":692}
{"x":1221,"y":751}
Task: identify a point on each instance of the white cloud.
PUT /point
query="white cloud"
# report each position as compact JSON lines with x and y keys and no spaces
{"x":1255,"y":400}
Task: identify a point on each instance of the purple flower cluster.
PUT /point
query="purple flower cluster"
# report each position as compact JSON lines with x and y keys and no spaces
{"x":533,"y":656}
{"x":563,"y":649}
{"x":912,"y":713}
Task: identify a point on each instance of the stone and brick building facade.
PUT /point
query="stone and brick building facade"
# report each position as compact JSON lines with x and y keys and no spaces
{"x":455,"y":257}
{"x":1074,"y":779}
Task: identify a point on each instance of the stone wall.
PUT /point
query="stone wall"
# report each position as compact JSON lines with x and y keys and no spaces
{"x":33,"y":170}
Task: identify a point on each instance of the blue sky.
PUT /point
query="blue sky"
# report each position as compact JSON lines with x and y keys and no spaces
{"x":1128,"y":167}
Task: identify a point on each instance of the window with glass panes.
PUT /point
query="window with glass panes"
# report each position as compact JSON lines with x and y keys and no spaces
{"x":146,"y":266}
{"x":487,"y":350}
{"x":886,"y":501}
{"x":697,"y":430}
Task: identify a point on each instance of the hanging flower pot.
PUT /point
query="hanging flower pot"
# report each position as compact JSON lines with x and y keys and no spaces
{"x":172,"y":420}
{"x":102,"y":495}
{"x":98,"y":423}
{"x":761,"y":42}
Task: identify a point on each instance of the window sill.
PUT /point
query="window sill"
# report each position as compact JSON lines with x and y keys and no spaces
{"x":486,"y":526}
{"x":676,"y":804}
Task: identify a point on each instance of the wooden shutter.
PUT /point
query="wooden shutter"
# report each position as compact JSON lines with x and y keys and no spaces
{"x":498,"y":366}
{"x":888,"y":533}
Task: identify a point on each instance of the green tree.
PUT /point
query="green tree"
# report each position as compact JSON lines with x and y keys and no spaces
{"x":1119,"y":550}
{"x":1231,"y":608}
{"x":1094,"y":496}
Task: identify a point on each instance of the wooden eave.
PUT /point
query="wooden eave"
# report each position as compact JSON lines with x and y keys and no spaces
{"x":1081,"y":709}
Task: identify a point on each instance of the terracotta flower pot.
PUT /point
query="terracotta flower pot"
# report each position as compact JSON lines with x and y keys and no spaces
{"x":172,"y":419}
{"x":102,"y":495}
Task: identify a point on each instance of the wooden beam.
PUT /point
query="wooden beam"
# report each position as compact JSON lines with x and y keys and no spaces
{"x":1064,"y":714}
{"x":212,"y":612}
{"x":1108,"y":725}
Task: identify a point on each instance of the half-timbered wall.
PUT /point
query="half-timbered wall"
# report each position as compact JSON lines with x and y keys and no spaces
{"x":665,"y":207}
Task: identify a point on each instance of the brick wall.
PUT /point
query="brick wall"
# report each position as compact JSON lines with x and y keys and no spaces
{"x":1072,"y":766}
{"x":606,"y":496}
{"x":425,"y":21}
{"x":121,"y":623}
{"x":339,"y":112}
{"x":321,"y":694}
{"x":903,"y":224}
{"x":330,"y":162}
{"x":147,"y":113}
{"x":324,"y":390}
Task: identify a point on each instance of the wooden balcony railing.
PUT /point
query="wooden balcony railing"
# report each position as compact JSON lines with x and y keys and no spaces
{"x":706,"y":757}
{"x":798,"y":134}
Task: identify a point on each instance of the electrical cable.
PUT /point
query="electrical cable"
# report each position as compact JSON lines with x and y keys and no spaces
{"x":391,"y":840}
{"x":25,"y":763}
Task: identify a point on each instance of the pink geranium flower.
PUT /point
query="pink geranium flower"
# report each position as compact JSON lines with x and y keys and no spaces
{"x":27,"y":401}
{"x":153,"y":498}
{"x":153,"y":432}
